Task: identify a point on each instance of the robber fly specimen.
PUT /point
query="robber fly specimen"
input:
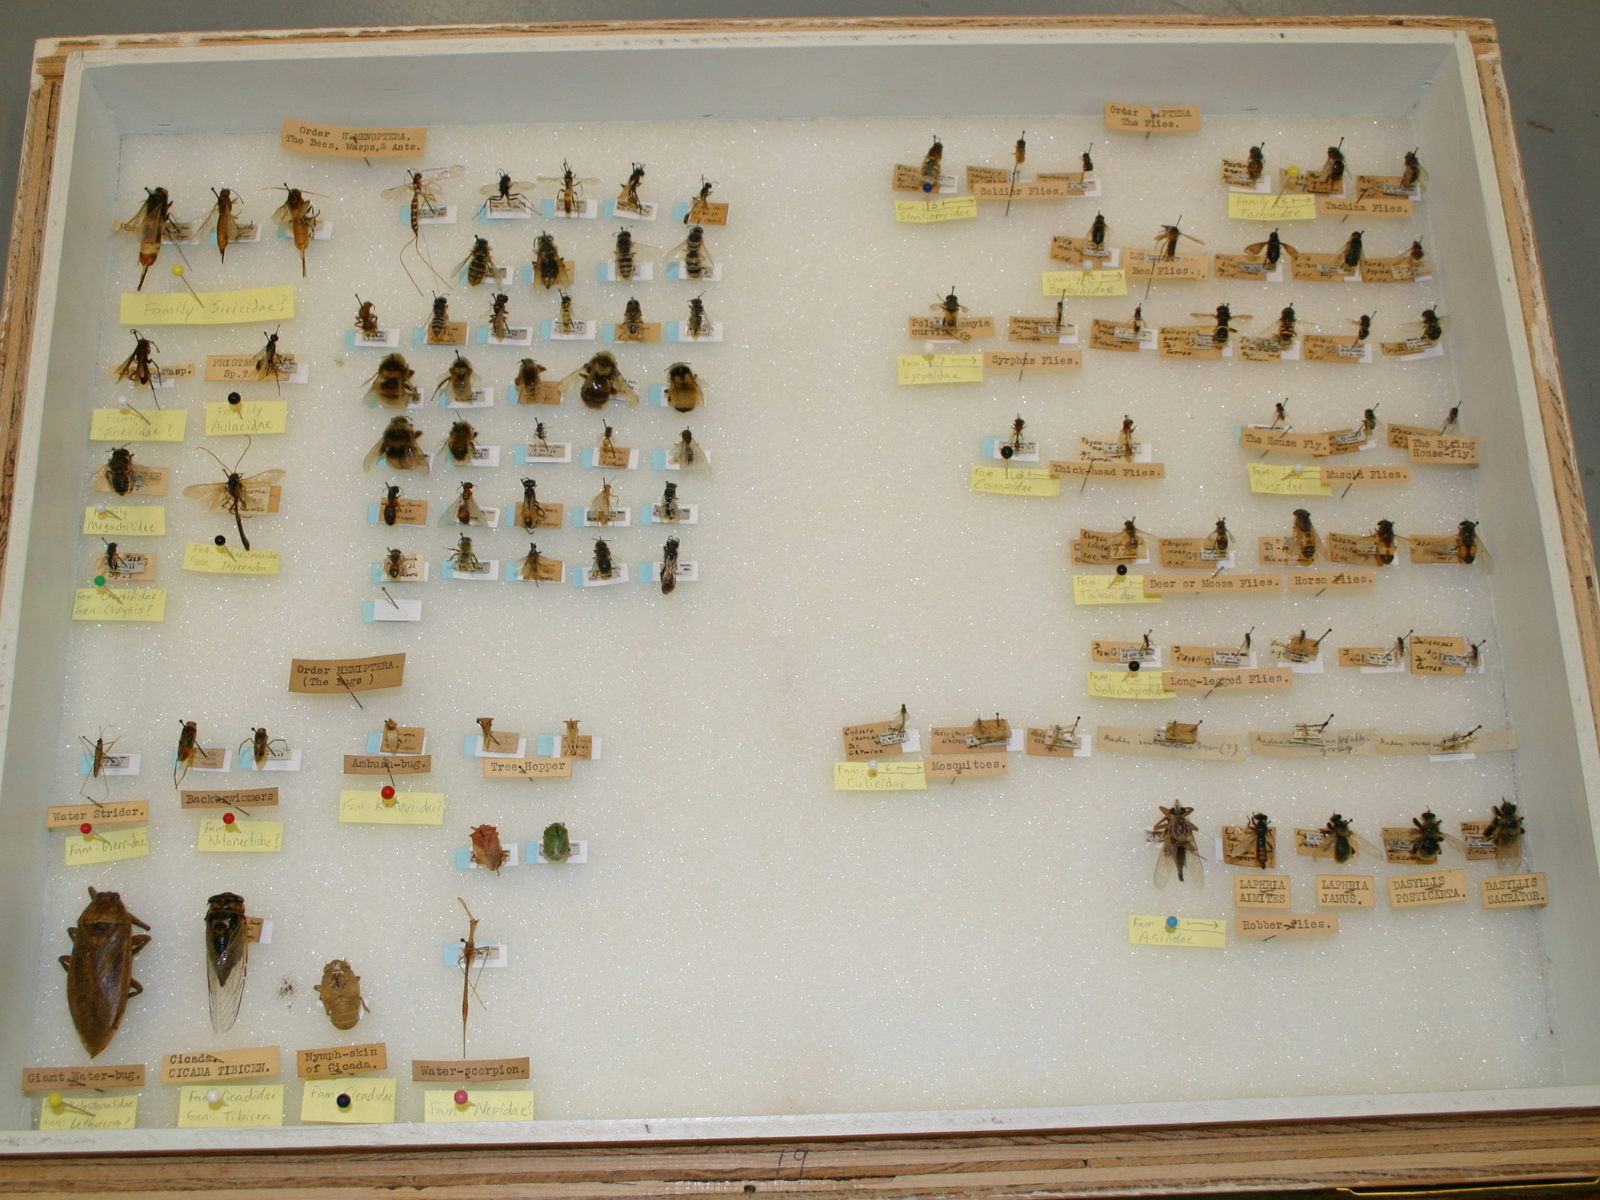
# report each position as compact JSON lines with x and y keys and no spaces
{"x":1260,"y":840}
{"x":366,"y":318}
{"x":1505,"y":831}
{"x":478,"y":264}
{"x":1222,"y":317}
{"x":225,"y":212}
{"x":297,"y":215}
{"x":1014,"y":447}
{"x":505,"y":195}
{"x":669,"y":566}
{"x":462,"y":558}
{"x":1272,"y":250}
{"x":528,"y":373}
{"x":1176,"y":833}
{"x":1351,"y":253}
{"x":500,"y":316}
{"x":461,"y":442}
{"x":569,"y":189}
{"x":1304,"y":538}
{"x":154,"y":224}
{"x":1339,"y":842}
{"x":1308,"y":734}
{"x":1428,"y":838}
{"x":697,"y":326}
{"x":399,"y":447}
{"x":420,"y":189}
{"x":694,"y":255}
{"x":390,"y":385}
{"x":598,"y":381}
{"x":1302,"y":649}
{"x":697,"y":206}
{"x":684,"y":392}
{"x":457,"y":381}
{"x":464,"y":509}
{"x":932,"y":163}
{"x":140,"y":367}
{"x":546,"y":261}
{"x":231,"y":495}
{"x":1167,"y":240}
{"x":603,"y":567}
{"x":628,"y":197}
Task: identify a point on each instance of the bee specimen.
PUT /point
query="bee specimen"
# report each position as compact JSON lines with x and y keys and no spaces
{"x":688,"y":455}
{"x":394,"y":564}
{"x":569,"y":189}
{"x":1505,"y":831}
{"x":154,"y":224}
{"x":624,"y":257}
{"x":1167,"y":240}
{"x":366,"y":318}
{"x":669,"y":566}
{"x":1179,"y":852}
{"x":528,"y":373}
{"x":262,"y":748}
{"x":603,"y":567}
{"x":932,"y":162}
{"x":546,"y":262}
{"x":461,"y":442}
{"x":631,"y":327}
{"x":231,"y":495}
{"x":439,"y":320}
{"x":100,"y":968}
{"x":297,"y":215}
{"x":1304,"y":540}
{"x":1222,"y":317}
{"x":486,"y":849}
{"x":478,"y":264}
{"x":463,"y":559}
{"x":227,"y":955}
{"x":602,"y":510}
{"x":531,"y":512}
{"x":120,"y":474}
{"x":684,"y":392}
{"x":464,"y":510}
{"x":505,"y":195}
{"x":1339,"y":842}
{"x":400,"y":447}
{"x":1260,"y":840}
{"x":628,"y":197}
{"x":555,"y":845}
{"x":1428,"y":838}
{"x":140,"y":367}
{"x":183,"y":758}
{"x":1272,"y":250}
{"x":340,"y":991}
{"x":599,"y":380}
{"x":457,"y":381}
{"x":668,"y":510}
{"x":698,"y":206}
{"x":390,"y":385}
{"x":698,"y":325}
{"x":421,"y":190}
{"x":225,"y":212}
{"x":694,"y":255}
{"x":500,"y":316}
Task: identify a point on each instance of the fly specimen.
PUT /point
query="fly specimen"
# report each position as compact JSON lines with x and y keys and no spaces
{"x":505,"y":195}
{"x":340,"y":991}
{"x":1351,"y":253}
{"x":391,"y":386}
{"x":1218,"y":542}
{"x":1288,"y":327}
{"x":227,"y":955}
{"x":599,"y":380}
{"x":1412,"y":175}
{"x":625,"y":255}
{"x":225,"y":212}
{"x":1363,"y":325}
{"x":697,"y":326}
{"x":1339,"y":842}
{"x":420,"y":189}
{"x":478,"y":264}
{"x":1095,"y":244}
{"x":950,"y":310}
{"x":461,"y":442}
{"x":684,"y":392}
{"x":1260,"y":840}
{"x":464,"y":509}
{"x":299,"y":217}
{"x":1428,"y":838}
{"x":1306,"y":733}
{"x":631,"y":327}
{"x":687,"y":454}
{"x":1167,"y":239}
{"x":1469,"y":547}
{"x":1384,"y":538}
{"x":367,"y":318}
{"x":546,"y":262}
{"x":528,"y":373}
{"x":100,"y":968}
{"x":1013,"y":446}
{"x":669,"y":566}
{"x":694,"y":255}
{"x":628,"y":198}
{"x":153,"y":224}
{"x":569,"y":189}
{"x":1179,"y":852}
{"x":1301,"y":649}
{"x":932,"y":163}
{"x":1505,"y":831}
{"x":1272,"y":250}
{"x":530,"y":512}
{"x":1222,"y":329}
{"x":486,"y":849}
{"x":500,"y":316}
{"x":1334,"y":168}
{"x":1304,"y":540}
{"x":140,"y":367}
{"x":439,"y":320}
{"x":457,"y":381}
{"x":232,"y":494}
{"x":183,"y":758}
{"x":400,"y":447}
{"x":262,"y":748}
{"x":603,"y":567}
{"x":1178,"y":733}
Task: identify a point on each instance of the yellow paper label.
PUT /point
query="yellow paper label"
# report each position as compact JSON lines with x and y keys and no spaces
{"x":243,"y":1106}
{"x":1128,"y":685}
{"x":925,"y":212}
{"x":480,"y":1106}
{"x":1110,"y":589}
{"x":1245,"y":206}
{"x":123,"y":604}
{"x":940,"y":368}
{"x":1086,"y":283}
{"x":250,"y":417}
{"x":371,"y":1101}
{"x":1015,"y":481}
{"x":212,"y":308}
{"x":103,"y":1112}
{"x":242,"y":837}
{"x":223,"y":560}
{"x":1272,"y":480}
{"x":125,"y":425}
{"x":110,"y":845}
{"x":407,"y":808}
{"x":1200,"y":932}
{"x":125,"y":521}
{"x":885,"y":777}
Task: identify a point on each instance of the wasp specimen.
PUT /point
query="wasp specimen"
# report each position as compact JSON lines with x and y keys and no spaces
{"x":119,"y":472}
{"x":950,"y":310}
{"x":1176,"y":733}
{"x":628,"y":197}
{"x":270,"y":364}
{"x":532,"y":565}
{"x":183,"y":758}
{"x":1272,"y":250}
{"x":1351,"y":253}
{"x":669,"y":566}
{"x":1304,"y":539}
{"x":1013,"y":447}
{"x":478,"y":264}
{"x":694,"y":255}
{"x":1428,"y":838}
{"x":505,"y":195}
{"x":697,"y":326}
{"x":1308,"y":734}
{"x":598,"y":381}
{"x":1179,"y":853}
{"x":500,"y":316}
{"x":531,"y":512}
{"x":457,"y":381}
{"x":153,"y":223}
{"x":366,"y":318}
{"x":688,"y":455}
{"x":546,"y":262}
{"x":140,"y":367}
{"x":464,"y":510}
{"x":299,"y":217}
{"x":1468,"y":544}
{"x":225,"y":212}
{"x":100,"y":968}
{"x":1505,"y":831}
{"x":439,"y":320}
{"x":527,"y":382}
{"x":602,"y":510}
{"x":463,"y":559}
{"x":400,"y":447}
{"x":632,"y":323}
{"x":340,"y":991}
{"x":1260,"y":840}
{"x":1167,"y":239}
{"x":569,"y":189}
{"x":420,"y":189}
{"x":1223,"y":316}
{"x":227,"y":954}
{"x":1339,"y":842}
{"x":232,"y":494}
{"x":261,"y":748}
{"x":625,"y":255}
{"x":461,"y":442}
{"x":1412,"y":175}
{"x":1288,"y":327}
{"x":1095,"y":244}
{"x":555,"y":846}
{"x":697,"y":206}
{"x":668,"y":509}
{"x":486,"y":849}
{"x":603,"y":567}
{"x":394,"y":563}
{"x":390,"y":385}
{"x":684,"y":393}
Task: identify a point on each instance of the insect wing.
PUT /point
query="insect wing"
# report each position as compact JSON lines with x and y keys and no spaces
{"x":262,"y":478}
{"x":227,"y":950}
{"x":214,"y":495}
{"x":625,"y":390}
{"x":402,"y":192}
{"x":1166,"y":866}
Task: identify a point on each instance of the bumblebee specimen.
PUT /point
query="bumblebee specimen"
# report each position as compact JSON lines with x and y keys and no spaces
{"x":932,"y":162}
{"x":486,"y":849}
{"x":684,"y":392}
{"x":1259,"y":843}
{"x":140,"y":367}
{"x":628,"y":197}
{"x":340,"y":990}
{"x":461,"y":442}
{"x":478,"y":264}
{"x":500,"y":316}
{"x":463,"y":559}
{"x":400,"y":447}
{"x":227,"y":954}
{"x":457,"y":381}
{"x":366,"y":318}
{"x":297,"y":215}
{"x":100,"y":968}
{"x":555,"y":846}
{"x":153,"y":223}
{"x":225,"y":213}
{"x":694,"y":255}
{"x":1272,"y":250}
{"x":598,"y":381}
{"x":390,"y":385}
{"x":261,"y":747}
{"x":1179,"y":853}
{"x":669,"y":566}
{"x":528,"y":373}
{"x":1339,"y":841}
{"x":603,"y":567}
{"x":1505,"y":831}
{"x":688,"y":455}
{"x":546,"y":262}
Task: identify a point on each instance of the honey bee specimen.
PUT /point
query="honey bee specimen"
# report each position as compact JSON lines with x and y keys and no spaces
{"x":684,"y":393}
{"x":499,"y":316}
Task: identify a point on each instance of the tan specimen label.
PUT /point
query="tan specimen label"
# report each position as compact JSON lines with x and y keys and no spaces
{"x":1248,"y":680}
{"x":1332,"y":745}
{"x":406,"y":512}
{"x":953,"y":740}
{"x":1203,"y":658}
{"x":1368,"y":656}
{"x":336,"y":675}
{"x":1212,"y":585}
{"x":1189,"y":341}
{"x":209,"y":758}
{"x":1285,"y":926}
{"x":1405,"y":349}
{"x":1077,"y":252}
{"x":1433,"y":743}
{"x":237,"y":368}
{"x":1366,"y":475}
{"x":1110,"y":335}
{"x":1243,"y":267}
{"x":1096,"y":547}
{"x":1122,"y":652}
{"x":70,"y":816}
{"x":1398,"y":842}
{"x":227,"y":1066}
{"x":909,"y":179}
{"x":468,"y":1070}
{"x":977,"y":762}
{"x":248,"y":798}
{"x":1402,"y":269}
{"x":1276,"y":551}
{"x":527,"y":768}
{"x":707,"y":212}
{"x":1442,"y":450}
{"x":388,"y":764}
{"x":403,"y":739}
{"x":66,"y":1079}
{"x":352,"y":143}
{"x":329,"y":1061}
{"x":1432,"y":655}
{"x":1150,"y":264}
{"x":1086,"y":468}
{"x":132,"y":568}
{"x":1516,"y":891}
{"x":1322,"y":348}
{"x":147,"y":481}
{"x":644,"y":331}
{"x":1144,"y":118}
{"x":1225,"y":747}
{"x":1260,"y":349}
{"x":548,"y":392}
{"x":1420,"y":889}
{"x":1282,"y":439}
{"x":1040,"y":743}
{"x":867,"y":741}
{"x":1024,"y":189}
{"x":1400,"y":435}
{"x":1435,"y":549}
{"x":1239,"y":849}
{"x":454,"y":334}
{"x":1479,"y":848}
{"x":1187,"y":552}
{"x":1261,"y":891}
{"x":1345,"y":891}
{"x":1033,"y":329}
{"x":966,"y":328}
{"x":614,"y":456}
{"x":1352,"y":548}
{"x":1326,"y":268}
{"x":1033,"y":360}
{"x":1305,"y":581}
{"x":253,"y":927}
{"x":579,"y":747}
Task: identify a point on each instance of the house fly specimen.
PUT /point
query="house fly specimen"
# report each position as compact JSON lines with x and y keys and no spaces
{"x":1167,"y":239}
{"x":528,"y":372}
{"x":598,"y":381}
{"x":297,"y":215}
{"x":391,"y":386}
{"x":1505,"y":831}
{"x":100,"y":968}
{"x":1272,"y":250}
{"x":602,"y":509}
{"x":697,"y":206}
{"x":463,"y":559}
{"x":688,"y":455}
{"x":505,"y":195}
{"x":546,"y":262}
{"x":1339,"y":841}
{"x":694,"y":255}
{"x":154,"y":224}
{"x":1222,"y":317}
{"x":932,"y":163}
{"x":569,"y":189}
{"x":1352,"y":252}
{"x":628,"y":197}
{"x":1304,"y":540}
{"x":183,"y":758}
{"x":457,"y":381}
{"x":231,"y":495}
{"x":366,"y":318}
{"x":669,"y":566}
{"x":261,"y":747}
{"x":399,"y":447}
{"x":603,"y":567}
{"x":1179,"y":853}
{"x":420,"y":189}
{"x":531,"y":511}
{"x":625,"y":256}
{"x":1260,"y":840}
{"x":439,"y":320}
{"x":340,"y":991}
{"x":225,"y":212}
{"x":464,"y":509}
{"x":1428,"y":838}
{"x":478,"y":264}
{"x":500,"y":316}
{"x":227,"y":957}
{"x":461,"y":442}
{"x":555,"y":846}
{"x":684,"y":393}
{"x":486,"y":849}
{"x":140,"y":367}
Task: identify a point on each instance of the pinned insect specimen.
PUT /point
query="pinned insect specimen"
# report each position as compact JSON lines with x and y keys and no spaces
{"x":1288,"y":329}
{"x":698,"y":325}
{"x":463,"y":559}
{"x":668,"y":508}
{"x":464,"y":510}
{"x":599,"y":380}
{"x":1457,"y":743}
{"x":1179,"y":852}
{"x":479,"y":263}
{"x":500,"y":316}
{"x":390,"y":385}
{"x":269,"y":364}
{"x":140,"y":367}
{"x":1339,"y":842}
{"x":951,"y":309}
{"x":555,"y":846}
{"x":603,"y":567}
{"x":602,"y":510}
{"x":985,"y":732}
{"x":505,"y":195}
{"x":469,"y":954}
{"x":421,"y":189}
{"x":631,"y":326}
{"x":154,"y":224}
{"x":546,"y":262}
{"x":688,"y":455}
{"x":1505,"y":831}
{"x":1428,"y":838}
{"x":461,"y":442}
{"x":227,"y":955}
{"x":1129,"y":543}
{"x":120,"y":474}
{"x":99,"y":750}
{"x":1013,"y":447}
{"x":625,"y":256}
{"x":394,"y":563}
{"x":1095,"y":244}
{"x":457,"y":381}
{"x":262,"y":748}
{"x":628,"y":197}
{"x":1222,"y":317}
{"x":528,"y":373}
{"x":1304,"y":540}
{"x":366,"y":318}
{"x":669,"y":566}
{"x":486,"y":849}
{"x":1306,"y":733}
{"x":1452,"y":420}
{"x":531,"y":512}
{"x":100,"y":968}
{"x":532,"y":564}
{"x":1363,"y":325}
{"x":1469,"y":547}
{"x":567,"y":321}
{"x":1256,"y":162}
{"x":1272,"y":250}
{"x":400,"y":447}
{"x":1168,"y":237}
{"x":1416,"y":253}
{"x":1384,"y":538}
{"x":1260,"y":840}
{"x":225,"y":212}
{"x":538,"y":434}
{"x":1064,"y":737}
{"x":232,"y":494}
{"x":1351,"y":253}
{"x":684,"y":393}
{"x":698,"y":206}
{"x":1176,"y":733}
{"x":183,"y":759}
{"x":340,"y":991}
{"x":439,"y":320}
{"x":1020,"y":154}
{"x":1334,"y":168}
{"x":932,"y":163}
{"x":694,"y":255}
{"x":299,"y":217}
{"x":1300,"y":648}
{"x":1432,"y":324}
{"x":569,"y":189}
{"x":1413,"y":175}
{"x":1219,"y":541}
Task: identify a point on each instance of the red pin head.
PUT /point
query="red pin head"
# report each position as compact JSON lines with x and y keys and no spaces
{"x":461,"y":1096}
{"x":227,"y":818}
{"x":86,"y":828}
{"x":388,"y":792}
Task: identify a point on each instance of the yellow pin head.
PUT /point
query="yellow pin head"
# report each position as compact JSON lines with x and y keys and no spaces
{"x":177,"y":269}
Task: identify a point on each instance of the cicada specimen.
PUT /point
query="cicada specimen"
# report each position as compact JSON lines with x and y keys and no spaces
{"x":227,"y":958}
